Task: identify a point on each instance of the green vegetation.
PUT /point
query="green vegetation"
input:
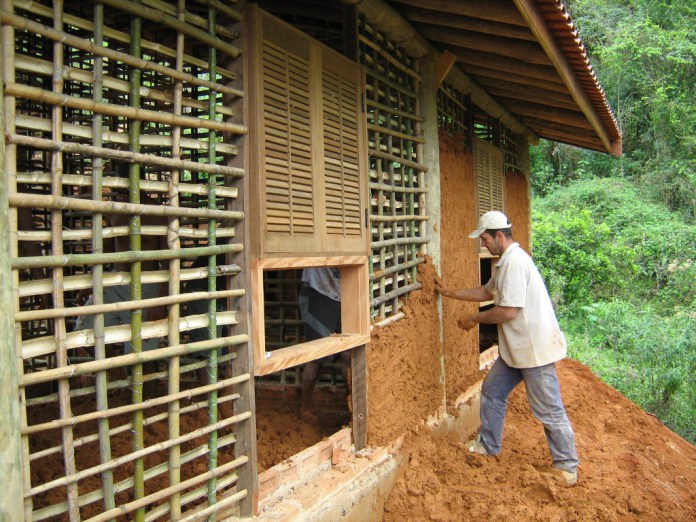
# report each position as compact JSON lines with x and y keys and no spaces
{"x":615,"y":238}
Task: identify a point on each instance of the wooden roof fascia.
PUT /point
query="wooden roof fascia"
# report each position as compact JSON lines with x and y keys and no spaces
{"x":387,"y":20}
{"x":531,"y":12}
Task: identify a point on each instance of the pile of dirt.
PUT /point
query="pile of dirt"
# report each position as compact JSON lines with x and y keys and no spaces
{"x":632,"y":467}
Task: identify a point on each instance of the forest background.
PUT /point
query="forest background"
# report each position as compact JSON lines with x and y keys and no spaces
{"x":615,"y":238}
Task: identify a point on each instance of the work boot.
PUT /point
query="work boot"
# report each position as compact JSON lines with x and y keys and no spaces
{"x":564,"y":477}
{"x":475,"y":446}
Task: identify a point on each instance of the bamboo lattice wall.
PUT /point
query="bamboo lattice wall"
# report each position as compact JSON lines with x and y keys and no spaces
{"x":454,"y":113}
{"x":123,"y":165}
{"x":397,"y":188}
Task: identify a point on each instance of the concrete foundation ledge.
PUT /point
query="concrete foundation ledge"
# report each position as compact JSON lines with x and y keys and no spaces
{"x":351,"y":491}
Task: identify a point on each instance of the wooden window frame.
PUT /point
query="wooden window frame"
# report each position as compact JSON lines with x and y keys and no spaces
{"x":355,"y":319}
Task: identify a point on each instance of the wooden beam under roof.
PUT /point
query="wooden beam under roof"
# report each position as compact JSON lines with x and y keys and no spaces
{"x":504,"y":64}
{"x":493,"y":10}
{"x":465,"y":23}
{"x":554,"y":114}
{"x":520,"y":50}
{"x":533,"y":94}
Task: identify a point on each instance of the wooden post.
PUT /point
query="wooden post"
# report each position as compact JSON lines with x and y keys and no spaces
{"x":11,"y":500}
{"x":431,"y":157}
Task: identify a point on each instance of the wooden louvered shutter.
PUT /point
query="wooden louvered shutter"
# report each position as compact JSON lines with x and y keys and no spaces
{"x":343,"y":187}
{"x":310,"y":192}
{"x":489,"y":176}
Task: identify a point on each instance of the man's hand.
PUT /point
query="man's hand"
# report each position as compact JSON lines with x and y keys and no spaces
{"x":467,"y":323}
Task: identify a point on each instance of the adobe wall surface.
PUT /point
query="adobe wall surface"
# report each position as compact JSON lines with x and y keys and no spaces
{"x":518,"y":209}
{"x":405,"y":367}
{"x":459,"y":263}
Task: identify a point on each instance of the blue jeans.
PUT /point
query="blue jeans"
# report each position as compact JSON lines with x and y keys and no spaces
{"x":544,"y":395}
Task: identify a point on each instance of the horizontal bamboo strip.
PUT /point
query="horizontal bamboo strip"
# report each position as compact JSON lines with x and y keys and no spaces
{"x":39,"y":346}
{"x":43,"y":178}
{"x":399,"y":241}
{"x":126,"y":427}
{"x":389,"y":320}
{"x":115,"y":35}
{"x":176,"y":488}
{"x":396,"y":188}
{"x":174,"y":23}
{"x":85,"y":234}
{"x":114,"y":463}
{"x":396,"y":159}
{"x":390,"y":219}
{"x":147,"y":140}
{"x":79,"y":282}
{"x":224,"y":8}
{"x":124,"y":111}
{"x":130,"y":359}
{"x":395,"y":293}
{"x":397,"y":268}
{"x":391,"y":110}
{"x":37,"y":66}
{"x":126,"y":383}
{"x":218,"y":506}
{"x":34,"y":315}
{"x":190,"y":496}
{"x":123,"y":257}
{"x":124,"y":485}
{"x":385,"y":131}
{"x":123,"y":155}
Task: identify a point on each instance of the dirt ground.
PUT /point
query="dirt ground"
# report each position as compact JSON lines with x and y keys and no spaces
{"x":632,"y":466}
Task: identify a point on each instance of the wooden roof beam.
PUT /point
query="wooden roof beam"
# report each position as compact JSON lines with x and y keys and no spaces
{"x":545,"y":73}
{"x":530,"y":12}
{"x":492,"y":10}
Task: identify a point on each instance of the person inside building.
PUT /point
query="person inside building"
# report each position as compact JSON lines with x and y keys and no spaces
{"x":530,"y":344}
{"x":320,"y":309}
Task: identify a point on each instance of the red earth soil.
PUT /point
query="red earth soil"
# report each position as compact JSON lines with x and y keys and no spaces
{"x":632,"y":466}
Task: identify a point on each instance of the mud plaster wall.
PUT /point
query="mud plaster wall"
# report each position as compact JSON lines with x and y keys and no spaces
{"x":518,"y":208}
{"x":460,"y":263}
{"x":405,"y":366}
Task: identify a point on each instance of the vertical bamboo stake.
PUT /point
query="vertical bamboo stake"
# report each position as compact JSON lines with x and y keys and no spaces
{"x":98,"y":269}
{"x":174,"y":281}
{"x":135,"y":287}
{"x":57,"y":247}
{"x":212,"y":274}
{"x":10,"y":174}
{"x":10,"y":450}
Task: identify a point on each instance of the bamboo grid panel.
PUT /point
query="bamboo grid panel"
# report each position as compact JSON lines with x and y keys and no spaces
{"x":454,"y":113}
{"x":122,"y":164}
{"x":397,"y":175}
{"x":511,"y":144}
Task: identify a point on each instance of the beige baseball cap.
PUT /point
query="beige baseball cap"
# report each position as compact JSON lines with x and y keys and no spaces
{"x":493,"y":220}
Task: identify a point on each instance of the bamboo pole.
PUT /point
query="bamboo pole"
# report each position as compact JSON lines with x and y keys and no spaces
{"x":173,"y":242}
{"x":10,"y":449}
{"x":111,"y":232}
{"x":101,"y":384}
{"x":174,"y":23}
{"x":134,"y":126}
{"x":212,"y":276}
{"x":110,"y":109}
{"x":395,"y":293}
{"x":40,"y":178}
{"x":23,"y":24}
{"x":164,"y":6}
{"x":219,"y":506}
{"x":224,"y":8}
{"x":399,"y":241}
{"x":135,"y":456}
{"x":122,"y":155}
{"x":57,"y":248}
{"x":129,"y":359}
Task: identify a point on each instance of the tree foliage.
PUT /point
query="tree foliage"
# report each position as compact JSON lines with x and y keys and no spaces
{"x":644,"y":51}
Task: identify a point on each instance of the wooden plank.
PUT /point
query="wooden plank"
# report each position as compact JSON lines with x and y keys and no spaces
{"x":358,"y":393}
{"x":290,"y":263}
{"x":309,"y":351}
{"x":442,"y":69}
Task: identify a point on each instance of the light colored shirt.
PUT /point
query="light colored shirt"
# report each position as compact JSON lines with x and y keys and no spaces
{"x":533,"y":337}
{"x":325,"y":280}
